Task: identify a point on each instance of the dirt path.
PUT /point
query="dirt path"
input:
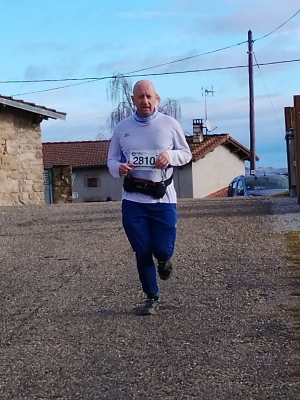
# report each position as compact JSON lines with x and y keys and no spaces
{"x":69,"y":286}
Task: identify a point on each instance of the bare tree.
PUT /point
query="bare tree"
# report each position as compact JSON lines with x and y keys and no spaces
{"x":119,"y":91}
{"x":103,"y":134}
{"x":171,"y":107}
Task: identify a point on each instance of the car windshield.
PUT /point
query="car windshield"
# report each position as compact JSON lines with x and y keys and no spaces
{"x":267,"y":182}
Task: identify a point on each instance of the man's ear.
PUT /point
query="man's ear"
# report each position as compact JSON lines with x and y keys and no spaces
{"x":132,"y":98}
{"x":158,"y":99}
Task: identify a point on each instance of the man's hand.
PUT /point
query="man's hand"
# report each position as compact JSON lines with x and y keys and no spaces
{"x":163,"y":160}
{"x":125,"y":168}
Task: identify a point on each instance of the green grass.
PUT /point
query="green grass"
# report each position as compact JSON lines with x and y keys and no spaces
{"x":292,"y":239}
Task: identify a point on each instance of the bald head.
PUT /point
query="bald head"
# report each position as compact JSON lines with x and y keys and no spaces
{"x":145,"y":98}
{"x":143,"y":84}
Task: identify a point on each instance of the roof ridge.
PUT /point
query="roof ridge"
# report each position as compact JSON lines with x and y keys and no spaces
{"x":28,"y":106}
{"x":79,"y":141}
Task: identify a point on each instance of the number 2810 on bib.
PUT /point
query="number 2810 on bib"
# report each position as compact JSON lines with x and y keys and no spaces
{"x":144,"y":159}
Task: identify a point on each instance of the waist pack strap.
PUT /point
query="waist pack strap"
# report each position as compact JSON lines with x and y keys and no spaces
{"x":166,"y":182}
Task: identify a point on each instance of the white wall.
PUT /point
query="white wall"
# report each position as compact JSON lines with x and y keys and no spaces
{"x":108,"y":186}
{"x":215,"y":171}
{"x":194,"y":180}
{"x":183,"y":181}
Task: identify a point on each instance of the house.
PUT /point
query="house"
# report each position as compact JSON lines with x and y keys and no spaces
{"x":216,"y":160}
{"x":21,"y":155}
{"x":77,"y":171}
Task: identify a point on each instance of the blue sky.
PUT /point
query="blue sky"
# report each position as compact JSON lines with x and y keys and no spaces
{"x":59,"y":39}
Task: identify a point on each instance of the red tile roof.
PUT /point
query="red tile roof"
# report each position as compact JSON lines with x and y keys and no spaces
{"x":210,"y":142}
{"x":219,"y":193}
{"x":77,"y":154}
{"x":94,"y":153}
{"x":32,"y":107}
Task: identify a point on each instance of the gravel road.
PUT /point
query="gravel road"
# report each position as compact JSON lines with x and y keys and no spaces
{"x":286,"y":213}
{"x":69,"y":288}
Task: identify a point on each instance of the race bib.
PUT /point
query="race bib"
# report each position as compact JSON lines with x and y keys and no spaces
{"x":144,"y":159}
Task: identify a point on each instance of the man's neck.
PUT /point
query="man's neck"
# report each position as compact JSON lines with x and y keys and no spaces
{"x":145,"y":119}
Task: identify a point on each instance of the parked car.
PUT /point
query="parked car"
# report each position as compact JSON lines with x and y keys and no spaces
{"x":258,"y":185}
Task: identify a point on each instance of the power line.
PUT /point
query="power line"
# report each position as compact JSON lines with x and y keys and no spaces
{"x":147,"y":68}
{"x":49,"y":80}
{"x":158,"y":65}
{"x":132,"y":75}
{"x":270,"y":33}
{"x":59,"y":87}
{"x":258,"y":65}
{"x":190,"y":57}
{"x":127,"y":73}
{"x":210,"y":52}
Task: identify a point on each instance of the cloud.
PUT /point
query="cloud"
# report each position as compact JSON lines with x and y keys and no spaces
{"x":41,"y":48}
{"x":120,"y":66}
{"x":260,"y":17}
{"x":146,"y":14}
{"x":102,"y":46}
{"x":34,"y":72}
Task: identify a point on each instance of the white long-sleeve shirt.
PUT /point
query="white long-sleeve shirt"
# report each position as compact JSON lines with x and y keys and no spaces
{"x":139,"y":141}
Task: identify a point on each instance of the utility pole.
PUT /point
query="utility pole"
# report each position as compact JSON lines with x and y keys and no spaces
{"x":251,"y":103}
{"x":289,"y":115}
{"x":297,"y":142}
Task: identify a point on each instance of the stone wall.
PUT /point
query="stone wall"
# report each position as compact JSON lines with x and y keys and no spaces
{"x":62,"y":184}
{"x":21,"y":158}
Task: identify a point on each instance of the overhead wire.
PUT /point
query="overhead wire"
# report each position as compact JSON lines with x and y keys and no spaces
{"x":58,"y":87}
{"x":214,"y":51}
{"x":190,"y":57}
{"x":258,"y":65}
{"x":127,"y":73}
{"x":158,"y":74}
{"x":130,"y":74}
{"x":278,"y":27}
{"x":158,"y":65}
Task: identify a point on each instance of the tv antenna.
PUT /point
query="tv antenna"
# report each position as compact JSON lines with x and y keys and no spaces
{"x":206,"y":92}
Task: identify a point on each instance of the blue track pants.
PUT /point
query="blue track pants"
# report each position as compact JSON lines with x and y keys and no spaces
{"x":151,"y":231}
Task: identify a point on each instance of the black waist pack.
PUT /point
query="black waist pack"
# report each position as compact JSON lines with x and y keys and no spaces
{"x":154,"y":189}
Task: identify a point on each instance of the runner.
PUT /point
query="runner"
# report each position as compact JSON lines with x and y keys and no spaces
{"x":144,"y":149}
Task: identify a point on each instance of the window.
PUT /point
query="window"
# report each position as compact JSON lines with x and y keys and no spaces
{"x":267,"y":182}
{"x":240,"y":188}
{"x":92,"y":182}
{"x":233,"y":187}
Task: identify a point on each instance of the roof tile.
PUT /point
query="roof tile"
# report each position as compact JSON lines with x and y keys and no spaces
{"x":88,"y":153}
{"x":219,"y":193}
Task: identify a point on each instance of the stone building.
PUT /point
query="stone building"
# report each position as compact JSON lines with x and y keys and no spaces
{"x":21,"y":153}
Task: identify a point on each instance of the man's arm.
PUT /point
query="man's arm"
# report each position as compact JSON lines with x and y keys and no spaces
{"x":181,"y":153}
{"x":115,"y":162}
{"x":114,"y":156}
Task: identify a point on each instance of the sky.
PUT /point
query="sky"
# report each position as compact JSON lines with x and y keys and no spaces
{"x":187,"y":48}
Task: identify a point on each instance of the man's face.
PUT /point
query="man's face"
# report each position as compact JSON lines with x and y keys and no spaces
{"x":144,"y":98}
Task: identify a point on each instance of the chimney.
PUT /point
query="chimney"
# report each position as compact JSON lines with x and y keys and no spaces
{"x":197,"y":131}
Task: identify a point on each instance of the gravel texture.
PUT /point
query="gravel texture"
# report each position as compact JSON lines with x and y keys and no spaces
{"x":286,"y":213}
{"x":69,"y":288}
